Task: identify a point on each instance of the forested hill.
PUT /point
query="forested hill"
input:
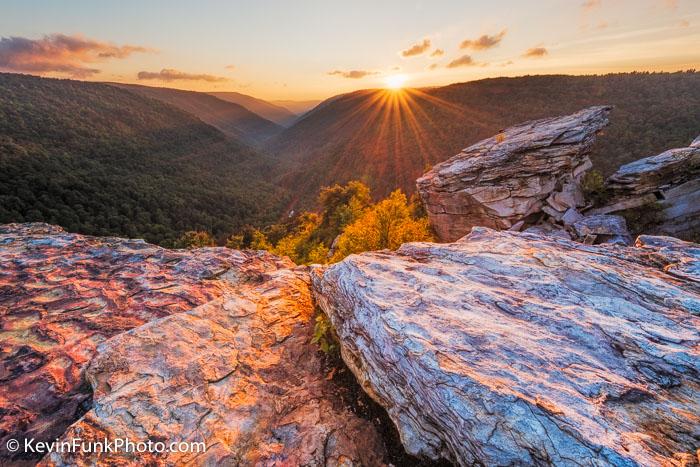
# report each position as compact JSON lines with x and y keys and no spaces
{"x":388,"y":139}
{"x":265,"y":109}
{"x":101,"y":160}
{"x":231,"y":118}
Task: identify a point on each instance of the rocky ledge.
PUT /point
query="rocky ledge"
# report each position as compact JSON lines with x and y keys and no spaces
{"x":514,"y":177}
{"x":209,"y":345}
{"x":239,"y":374}
{"x":510,"y":348}
{"x":661,"y":192}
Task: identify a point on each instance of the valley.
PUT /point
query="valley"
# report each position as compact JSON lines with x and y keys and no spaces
{"x":170,"y":161}
{"x":102,"y":160}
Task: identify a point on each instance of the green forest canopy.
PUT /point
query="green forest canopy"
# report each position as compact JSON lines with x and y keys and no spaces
{"x":100,"y":160}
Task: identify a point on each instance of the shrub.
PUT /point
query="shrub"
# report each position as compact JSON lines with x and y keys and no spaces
{"x":324,"y":334}
{"x":593,"y":186}
{"x":388,"y":224}
{"x":195,"y":239}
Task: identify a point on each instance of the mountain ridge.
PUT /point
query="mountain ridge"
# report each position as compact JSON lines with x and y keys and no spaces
{"x":231,"y":118}
{"x":268,"y":110}
{"x":103,"y":160}
{"x":387,"y":139}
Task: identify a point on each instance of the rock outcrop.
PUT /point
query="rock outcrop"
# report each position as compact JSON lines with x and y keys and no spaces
{"x":510,"y":348}
{"x":602,"y":228}
{"x":664,"y":189}
{"x":63,"y":294}
{"x":218,"y":351}
{"x":238,"y":374}
{"x":513,"y":177}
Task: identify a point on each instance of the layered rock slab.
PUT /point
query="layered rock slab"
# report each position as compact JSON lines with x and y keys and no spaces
{"x":664,"y":189}
{"x":524,"y":170}
{"x":517,"y":349}
{"x":238,"y":374}
{"x":63,"y":294}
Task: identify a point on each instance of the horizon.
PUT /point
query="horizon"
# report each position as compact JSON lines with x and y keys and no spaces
{"x":368,"y":89}
{"x":313,"y":51}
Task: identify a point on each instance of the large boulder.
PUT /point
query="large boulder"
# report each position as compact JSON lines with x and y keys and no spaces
{"x":653,"y":174}
{"x":238,"y":374}
{"x":662,"y":192}
{"x":510,"y":348}
{"x":519,"y":173}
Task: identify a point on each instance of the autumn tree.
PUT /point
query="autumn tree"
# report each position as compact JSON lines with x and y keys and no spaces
{"x":195,"y":239}
{"x":387,"y":224}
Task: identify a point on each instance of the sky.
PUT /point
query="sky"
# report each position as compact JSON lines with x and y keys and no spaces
{"x":307,"y":49}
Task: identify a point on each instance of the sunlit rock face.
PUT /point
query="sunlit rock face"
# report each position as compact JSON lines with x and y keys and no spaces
{"x":63,"y":294}
{"x":665,"y":188}
{"x":239,"y":373}
{"x":227,"y":368}
{"x":521,"y":172}
{"x":510,"y":348}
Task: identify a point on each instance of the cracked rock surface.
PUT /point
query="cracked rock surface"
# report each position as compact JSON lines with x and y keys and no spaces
{"x":523,"y":171}
{"x":238,"y":373}
{"x":210,"y":345}
{"x":511,"y":348}
{"x":62,"y":294}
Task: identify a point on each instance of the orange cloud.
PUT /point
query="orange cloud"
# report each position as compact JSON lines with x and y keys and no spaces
{"x":464,"y":60}
{"x":353,"y":74}
{"x":535,"y":52}
{"x":169,"y":74}
{"x":60,"y":53}
{"x":230,"y":67}
{"x":433,"y":66}
{"x":484,"y":42}
{"x":437,"y":53}
{"x":416,"y":49}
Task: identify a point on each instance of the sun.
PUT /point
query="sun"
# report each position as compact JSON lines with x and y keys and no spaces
{"x":395,"y":81}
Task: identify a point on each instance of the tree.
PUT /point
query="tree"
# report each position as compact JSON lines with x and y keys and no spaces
{"x":388,"y":224}
{"x":195,"y":239}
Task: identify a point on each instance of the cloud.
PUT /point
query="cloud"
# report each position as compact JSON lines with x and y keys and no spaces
{"x":464,"y":60}
{"x":60,"y":53}
{"x":433,"y":66}
{"x":535,"y":52}
{"x":484,"y":42}
{"x":416,"y":49}
{"x":169,"y":74}
{"x":437,"y":53}
{"x":589,"y":5}
{"x":684,"y":23}
{"x":353,"y":74}
{"x":230,"y":67}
